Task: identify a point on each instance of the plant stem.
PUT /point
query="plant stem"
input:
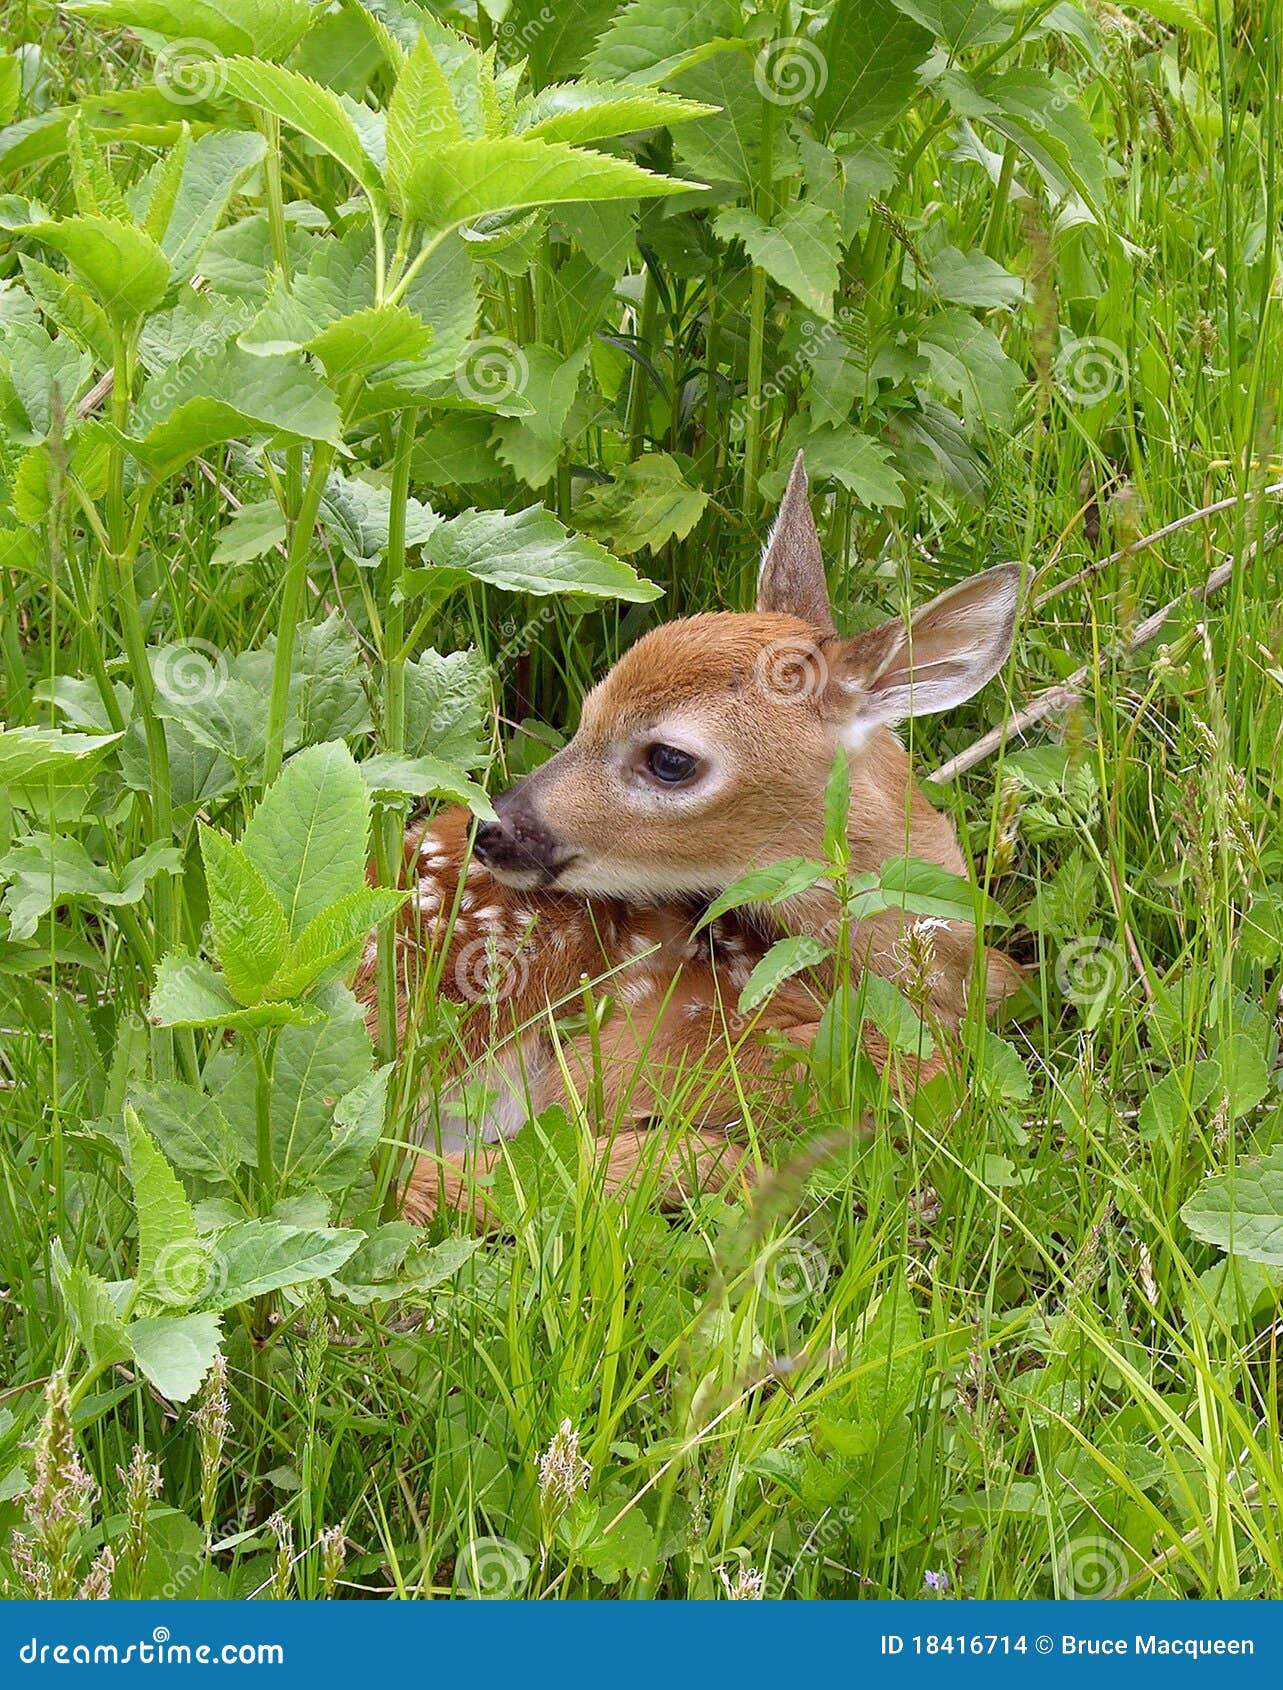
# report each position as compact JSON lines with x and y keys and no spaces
{"x":291,"y":608}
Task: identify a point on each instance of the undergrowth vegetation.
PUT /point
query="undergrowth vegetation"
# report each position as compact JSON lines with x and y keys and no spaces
{"x":371,"y":375}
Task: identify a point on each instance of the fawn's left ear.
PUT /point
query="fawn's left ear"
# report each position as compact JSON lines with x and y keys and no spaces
{"x":791,"y":581}
{"x":946,"y":652}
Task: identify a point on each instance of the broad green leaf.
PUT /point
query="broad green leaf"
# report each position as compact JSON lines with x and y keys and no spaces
{"x":38,"y":756}
{"x":166,"y":1225}
{"x":216,"y":166}
{"x":380,"y":334}
{"x":331,"y":941}
{"x":799,"y":249}
{"x":125,"y":270}
{"x":258,"y":1256}
{"x":355,"y":512}
{"x":191,"y":1130}
{"x":762,"y":885}
{"x":1043,"y":119}
{"x":459,"y":181}
{"x":310,"y":835}
{"x":843,"y":454}
{"x":926,"y":889}
{"x":447,"y":705}
{"x":45,"y":871}
{"x":973,"y":278}
{"x":93,"y":1309}
{"x":589,"y":111}
{"x":728,"y":147}
{"x":648,"y":504}
{"x":871,"y":52}
{"x":421,"y":114}
{"x":968,"y":363}
{"x":175,"y":1351}
{"x":648,"y":39}
{"x":961,"y":23}
{"x":269,"y":28}
{"x":785,"y":958}
{"x":251,"y":532}
{"x":70,"y":305}
{"x":355,"y":1131}
{"x":317,"y":112}
{"x":894,"y":1016}
{"x":1242,"y":1211}
{"x":188,"y":993}
{"x":226,"y":394}
{"x":531,"y":552}
{"x":250,"y":934}
{"x":387,"y":775}
{"x":38,"y":370}
{"x":326,"y":691}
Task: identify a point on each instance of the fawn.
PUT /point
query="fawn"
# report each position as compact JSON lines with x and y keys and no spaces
{"x":704,"y":753}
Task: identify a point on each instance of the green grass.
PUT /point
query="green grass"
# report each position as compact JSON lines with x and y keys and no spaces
{"x":981,"y":1341}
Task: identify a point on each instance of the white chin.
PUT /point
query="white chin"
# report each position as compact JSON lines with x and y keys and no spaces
{"x":519,"y":879}
{"x":620,"y":880}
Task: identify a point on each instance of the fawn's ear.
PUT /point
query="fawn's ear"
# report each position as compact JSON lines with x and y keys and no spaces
{"x":791,"y":581}
{"x":946,"y":652}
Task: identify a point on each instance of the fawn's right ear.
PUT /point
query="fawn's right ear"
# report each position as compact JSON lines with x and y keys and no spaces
{"x":791,"y":581}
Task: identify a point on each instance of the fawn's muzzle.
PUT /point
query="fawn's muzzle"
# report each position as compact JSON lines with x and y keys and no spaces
{"x":517,"y":845}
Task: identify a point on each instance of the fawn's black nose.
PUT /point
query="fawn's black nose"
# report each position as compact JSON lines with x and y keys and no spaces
{"x":517,"y":845}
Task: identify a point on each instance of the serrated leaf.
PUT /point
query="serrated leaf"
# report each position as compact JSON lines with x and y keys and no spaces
{"x":250,"y":934}
{"x":124,"y":269}
{"x":648,"y":39}
{"x":799,"y":249}
{"x":648,"y":504}
{"x":188,"y":993}
{"x":175,"y":1351}
{"x":328,"y":942}
{"x":269,"y":28}
{"x":786,"y":957}
{"x":590,"y":111}
{"x":421,"y":113}
{"x":92,"y":1308}
{"x":226,"y":394}
{"x":871,"y":51}
{"x":460,"y":181}
{"x":968,"y":363}
{"x":531,"y":552}
{"x":191,"y":1129}
{"x":257,"y":1256}
{"x":390,"y":776}
{"x":894,"y":1016}
{"x":309,"y":836}
{"x":166,"y":1224}
{"x":45,"y":871}
{"x":973,"y":278}
{"x":856,"y":461}
{"x":47,"y":756}
{"x":317,"y":112}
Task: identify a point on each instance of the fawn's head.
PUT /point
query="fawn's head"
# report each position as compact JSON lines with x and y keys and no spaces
{"x":707,"y":748}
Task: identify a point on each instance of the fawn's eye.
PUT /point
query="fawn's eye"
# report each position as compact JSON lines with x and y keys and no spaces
{"x":669,"y":764}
